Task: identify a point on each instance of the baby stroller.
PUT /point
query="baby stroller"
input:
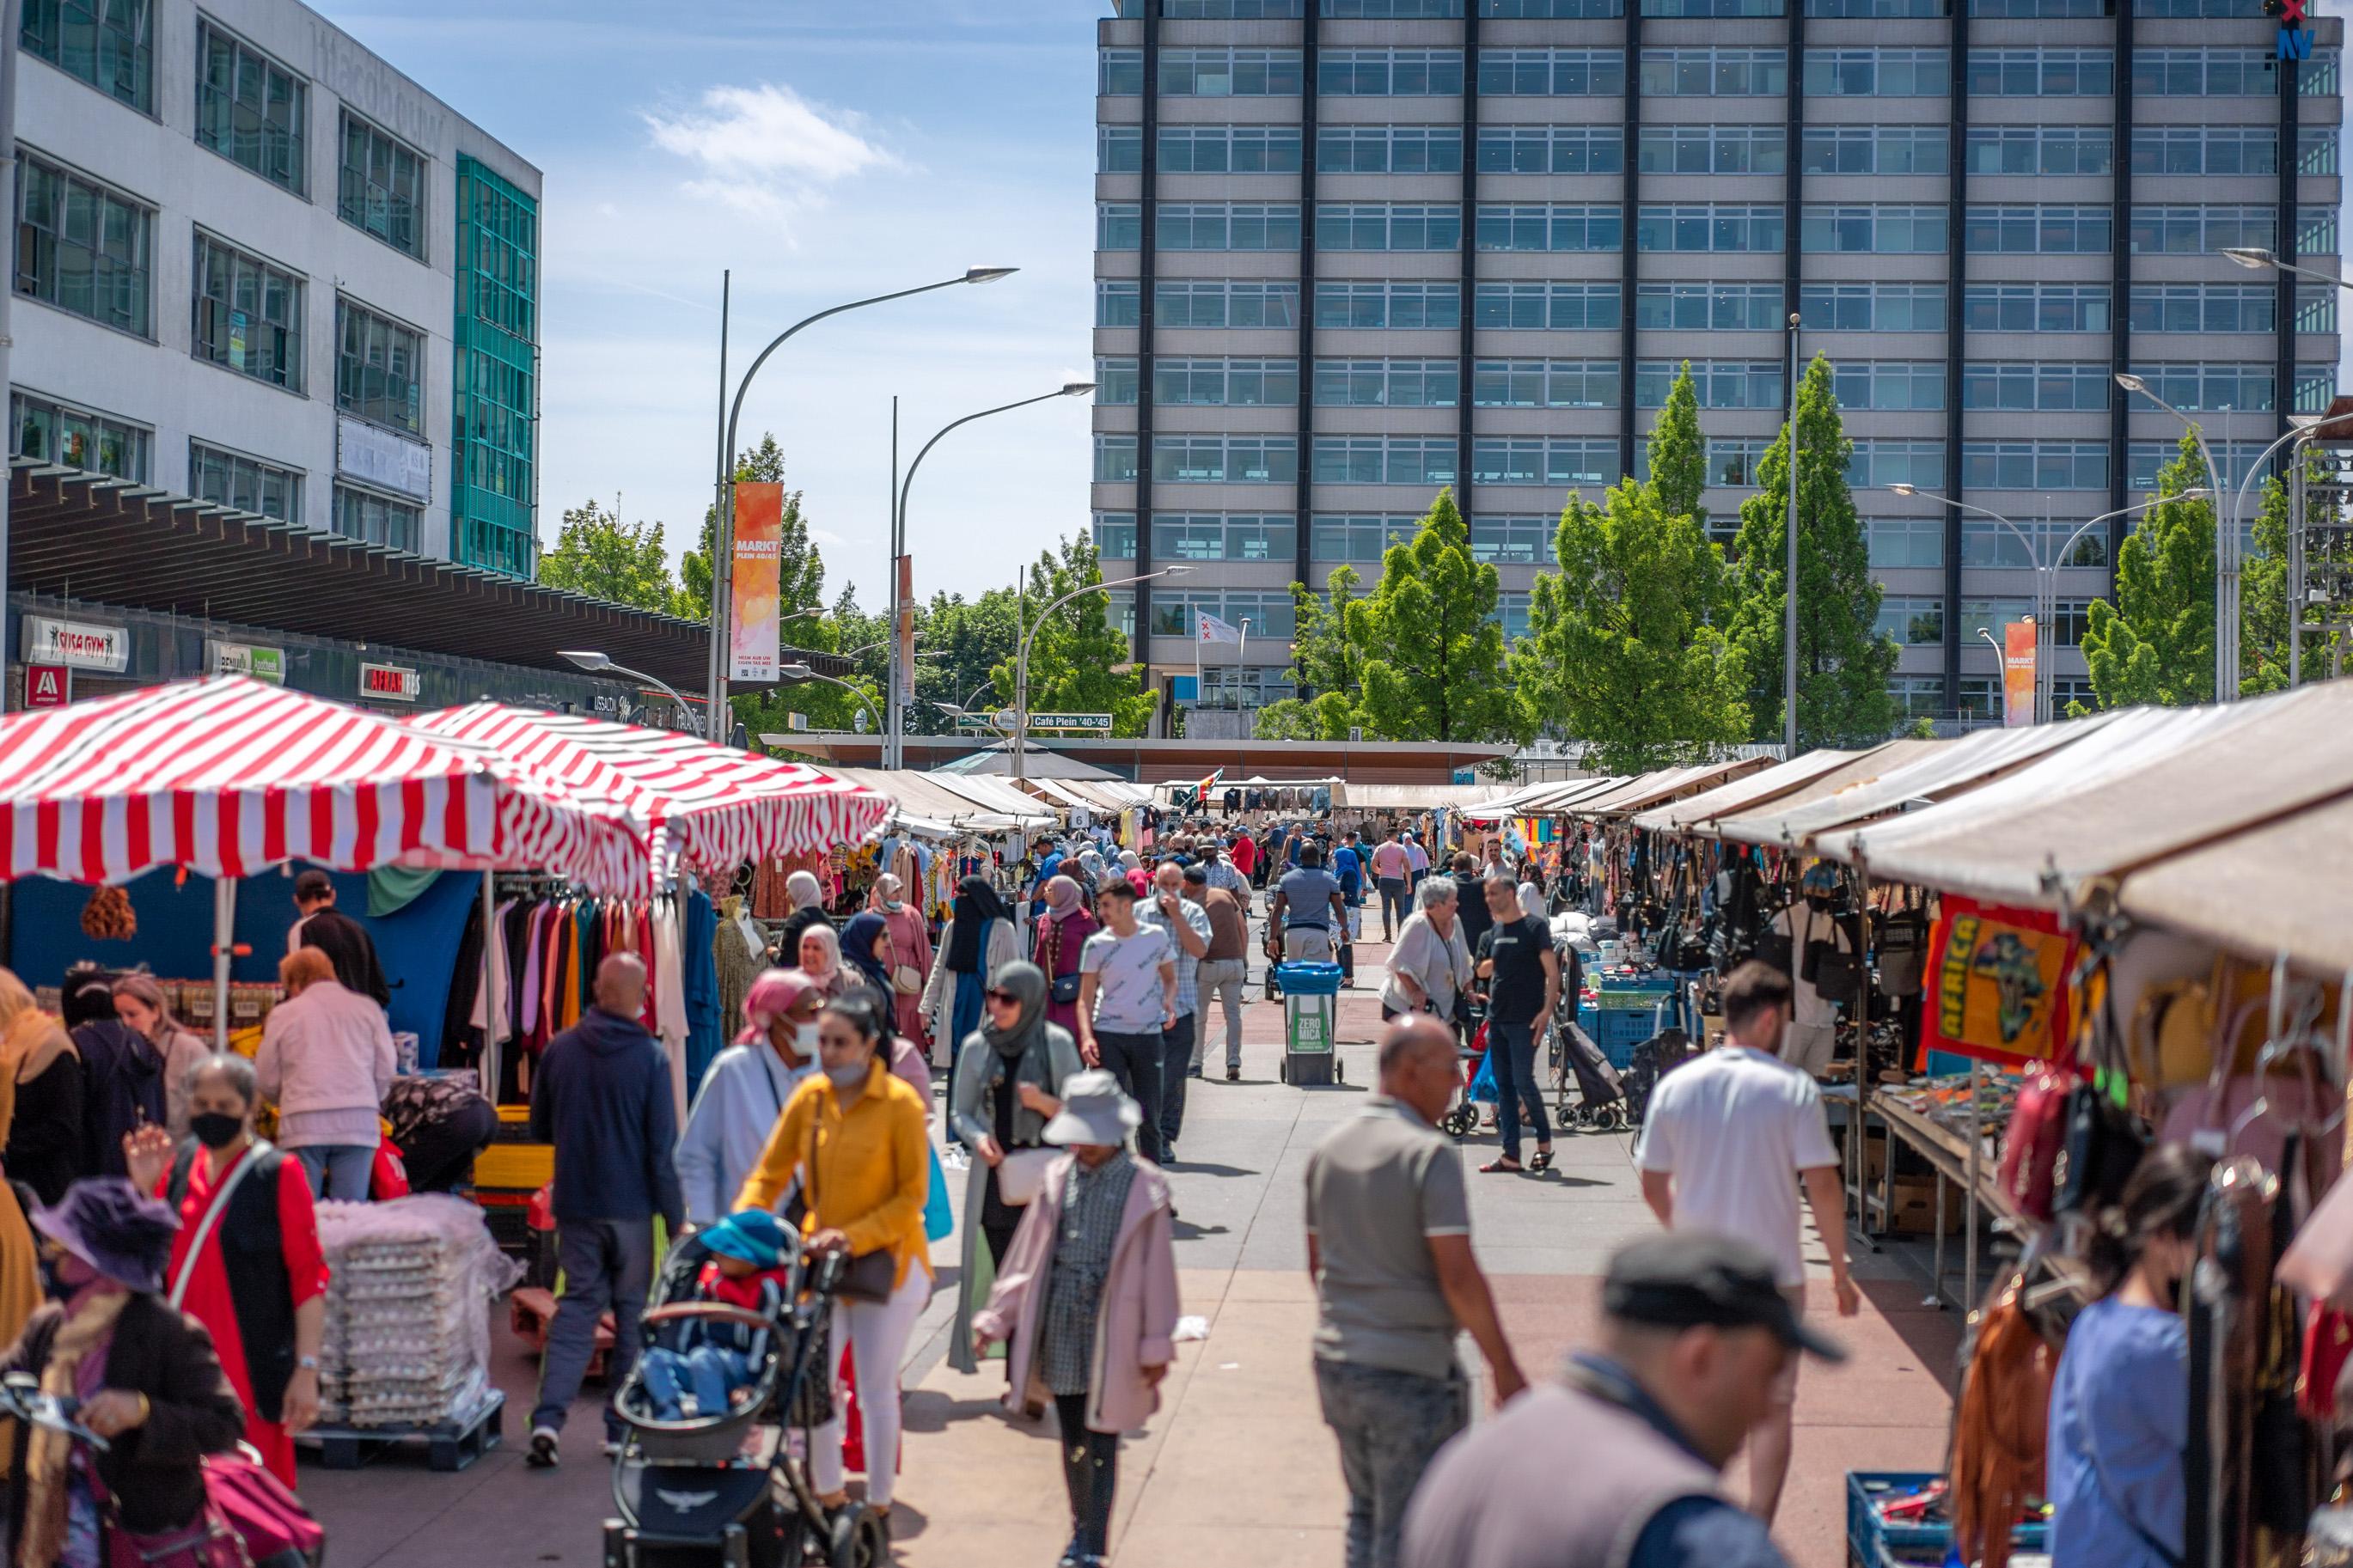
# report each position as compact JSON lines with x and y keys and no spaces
{"x":724,"y":1488}
{"x":1462,"y":1118}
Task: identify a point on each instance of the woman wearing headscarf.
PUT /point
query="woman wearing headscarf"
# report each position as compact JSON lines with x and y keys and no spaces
{"x":818,"y":956}
{"x":865,"y":944}
{"x":1008,"y":1085}
{"x":745,"y":1091}
{"x":1090,"y":875}
{"x":139,"y":1002}
{"x":979,"y":941}
{"x":44,"y":1086}
{"x":1060,"y":935}
{"x":121,"y":1071}
{"x":908,"y":960}
{"x":808,"y":909}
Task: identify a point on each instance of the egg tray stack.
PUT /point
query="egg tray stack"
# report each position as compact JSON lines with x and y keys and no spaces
{"x":408,"y":1324}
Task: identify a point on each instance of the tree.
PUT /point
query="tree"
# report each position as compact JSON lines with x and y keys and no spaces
{"x":620,"y":563}
{"x":1842,"y":668}
{"x":2155,"y":643}
{"x":1078,"y":663}
{"x":960,"y":643}
{"x":1326,"y":668}
{"x":1679,"y":452}
{"x":1621,"y":653}
{"x":2263,"y":596}
{"x":1432,"y":646}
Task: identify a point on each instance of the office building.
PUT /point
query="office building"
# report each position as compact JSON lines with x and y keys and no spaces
{"x":1350,"y":251}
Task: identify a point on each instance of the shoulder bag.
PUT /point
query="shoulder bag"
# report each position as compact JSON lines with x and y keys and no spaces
{"x":1835,"y":974}
{"x":870,"y":1275}
{"x":1060,"y":987}
{"x":906,"y":978}
{"x":213,"y":1212}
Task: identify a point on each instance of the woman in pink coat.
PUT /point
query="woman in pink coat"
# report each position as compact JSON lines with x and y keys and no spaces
{"x":1086,"y":1297}
{"x":911,"y":948}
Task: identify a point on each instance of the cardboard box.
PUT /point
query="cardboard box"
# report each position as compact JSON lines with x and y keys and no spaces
{"x":1915,"y":1210}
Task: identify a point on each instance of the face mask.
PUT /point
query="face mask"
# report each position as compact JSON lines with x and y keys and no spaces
{"x":848,"y":1075}
{"x":805,"y":1040}
{"x":215,"y":1129}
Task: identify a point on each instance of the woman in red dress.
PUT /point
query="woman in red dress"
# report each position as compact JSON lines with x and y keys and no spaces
{"x":259,"y":1281}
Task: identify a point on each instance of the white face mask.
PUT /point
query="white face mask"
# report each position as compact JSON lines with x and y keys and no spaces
{"x":805,"y":1040}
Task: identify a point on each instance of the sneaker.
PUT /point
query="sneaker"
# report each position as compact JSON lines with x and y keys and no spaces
{"x":542,"y":1453}
{"x":611,"y":1448}
{"x":1233,"y":1074}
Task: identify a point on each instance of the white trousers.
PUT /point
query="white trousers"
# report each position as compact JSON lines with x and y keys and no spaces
{"x":877,"y":1333}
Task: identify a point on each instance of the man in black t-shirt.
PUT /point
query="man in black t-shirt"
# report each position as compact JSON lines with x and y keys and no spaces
{"x":1522,"y":976}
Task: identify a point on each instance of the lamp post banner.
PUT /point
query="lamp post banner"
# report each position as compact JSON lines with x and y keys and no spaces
{"x":755,"y":637}
{"x":902,"y":635}
{"x":2018,"y":674}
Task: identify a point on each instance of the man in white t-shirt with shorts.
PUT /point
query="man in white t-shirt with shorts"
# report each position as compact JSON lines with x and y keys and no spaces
{"x":1726,"y":1143}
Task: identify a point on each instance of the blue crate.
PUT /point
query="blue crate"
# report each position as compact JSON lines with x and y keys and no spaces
{"x":1308,"y":979}
{"x":1618,"y":1030}
{"x":1874,"y":1543}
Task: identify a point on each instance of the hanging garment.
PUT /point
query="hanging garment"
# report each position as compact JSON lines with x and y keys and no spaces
{"x":670,"y":1014}
{"x":705,"y":1037}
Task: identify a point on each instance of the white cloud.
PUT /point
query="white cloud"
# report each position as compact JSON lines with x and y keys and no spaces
{"x":766,"y":150}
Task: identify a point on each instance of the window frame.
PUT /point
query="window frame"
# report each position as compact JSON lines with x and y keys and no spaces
{"x":205,"y":243}
{"x":199,"y":450}
{"x":420,"y":206}
{"x":420,"y":353}
{"x":207,"y":31}
{"x":142,"y":214}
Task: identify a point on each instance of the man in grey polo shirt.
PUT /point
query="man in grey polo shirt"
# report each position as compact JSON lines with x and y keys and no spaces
{"x":1388,"y":1245}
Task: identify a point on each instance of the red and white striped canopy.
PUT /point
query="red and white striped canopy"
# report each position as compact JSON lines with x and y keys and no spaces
{"x":229,"y":776}
{"x":711,"y":805}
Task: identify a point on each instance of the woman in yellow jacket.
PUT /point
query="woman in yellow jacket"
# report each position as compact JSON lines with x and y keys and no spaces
{"x":852,"y":1136}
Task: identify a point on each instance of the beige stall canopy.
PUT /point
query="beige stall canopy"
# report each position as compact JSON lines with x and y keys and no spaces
{"x":2285,"y":887}
{"x":924,"y":795}
{"x":1538,"y":799}
{"x":988,"y":793}
{"x":2151,"y":784}
{"x":1763,"y":826}
{"x":1741,"y":794}
{"x":1667,"y":784}
{"x":1412,"y":797}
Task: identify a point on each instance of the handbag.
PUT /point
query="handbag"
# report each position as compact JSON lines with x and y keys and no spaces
{"x":387,"y":1175}
{"x":277,"y":1530}
{"x":213,"y":1212}
{"x":1835,"y":974}
{"x":868,"y":1277}
{"x":1021,"y":1174}
{"x":1061,"y":988}
{"x":906,"y":978}
{"x":2104,"y":1142}
{"x":2030,"y":1151}
{"x":208,"y":1541}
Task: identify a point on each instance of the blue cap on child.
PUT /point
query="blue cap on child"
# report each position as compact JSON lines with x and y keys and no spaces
{"x":756,"y":1236}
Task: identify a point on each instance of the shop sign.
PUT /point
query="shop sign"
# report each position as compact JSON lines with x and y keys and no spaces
{"x":389,"y":682}
{"x":249,"y":659}
{"x":77,"y":645}
{"x":1466,"y":775}
{"x":47,"y":686}
{"x":376,"y":456}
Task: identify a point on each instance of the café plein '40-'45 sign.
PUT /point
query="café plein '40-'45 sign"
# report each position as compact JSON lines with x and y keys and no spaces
{"x":1004,"y":718}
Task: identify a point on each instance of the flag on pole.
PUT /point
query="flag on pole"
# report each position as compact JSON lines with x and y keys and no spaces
{"x":1208,"y":627}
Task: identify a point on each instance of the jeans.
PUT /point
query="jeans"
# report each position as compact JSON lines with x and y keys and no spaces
{"x":1176,"y":1043}
{"x":339,"y":1171}
{"x":1394,"y":903}
{"x":1513,"y":1047}
{"x":1220,"y":980}
{"x":1134,"y":1060}
{"x":1391,"y":1426}
{"x":1089,"y":1472}
{"x":606,"y":1263}
{"x":707,"y":1372}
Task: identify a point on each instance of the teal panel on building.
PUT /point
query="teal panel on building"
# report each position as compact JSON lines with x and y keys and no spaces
{"x":494,"y":491}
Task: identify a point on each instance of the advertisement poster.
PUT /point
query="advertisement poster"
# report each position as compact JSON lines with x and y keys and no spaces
{"x":902,"y":670}
{"x":755,"y":630}
{"x":2017,"y":674}
{"x":1997,"y":982}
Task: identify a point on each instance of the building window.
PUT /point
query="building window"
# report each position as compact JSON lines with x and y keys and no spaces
{"x":1224,"y":303}
{"x":2143,"y":458}
{"x":2206,"y":308}
{"x":2041,"y":149}
{"x":1877,"y":464}
{"x":1713,"y":73}
{"x":1548,"y":461}
{"x":1551,"y":150}
{"x":1549,"y":307}
{"x":1708,"y":306}
{"x":2033,"y":466}
{"x":1269,"y":614}
{"x":1721,"y":384}
{"x":1545,"y":383}
{"x":1216,"y":536}
{"x":1916,"y":622}
{"x":1393,"y":10}
{"x":1115,"y":380}
{"x":1917,"y":696}
{"x":1382,"y":225}
{"x":1980,"y":698}
{"x":2210,"y":387}
{"x":380,"y":186}
{"x":2070,"y":691}
{"x":1232,"y":10}
{"x":1713,"y":150}
{"x":1115,"y":459}
{"x":53,"y":432}
{"x":1877,"y":9}
{"x":1226,"y":226}
{"x":109,"y":43}
{"x":2316,"y":308}
{"x":495,"y":371}
{"x":1513,"y":540}
{"x":379,"y":368}
{"x":1337,"y":539}
{"x":2036,"y":387}
{"x":2044,"y":231}
{"x":1252,"y":686}
{"x":1879,"y":73}
{"x":2315,"y":150}
{"x":1119,"y":226}
{"x":1710,"y":229}
{"x":1867,"y":307}
{"x":2036,"y":308}
{"x":1389,"y":149}
{"x":1115,"y":536}
{"x":1396,"y":307}
{"x":1226,"y":149}
{"x":1898,"y":543}
{"x":2200,"y":230}
{"x":2207,"y":149}
{"x":251,"y":110}
{"x":1230,"y":73}
{"x":1512,"y":613}
{"x":1876,"y":150}
{"x":83,"y":246}
{"x":1225,"y":459}
{"x":1992,"y":616}
{"x":1388,"y":384}
{"x":1119,"y":73}
{"x":1551,"y":228}
{"x":376,"y":519}
{"x":1553,"y":10}
{"x":1713,"y":8}
{"x":1389,"y":73}
{"x":1987,"y":544}
{"x":2315,"y":388}
{"x":1385,"y":460}
{"x":2209,"y":73}
{"x":1889,"y":384}
{"x":247,"y":313}
{"x":1874,"y":230}
{"x":1119,"y":149}
{"x":1552,"y":73}
{"x":2042,"y":7}
{"x":2045,"y":73}
{"x":1118,"y":303}
{"x":249,"y":484}
{"x":1225,"y":382}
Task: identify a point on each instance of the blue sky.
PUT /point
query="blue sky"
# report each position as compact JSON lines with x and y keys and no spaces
{"x":824,"y":150}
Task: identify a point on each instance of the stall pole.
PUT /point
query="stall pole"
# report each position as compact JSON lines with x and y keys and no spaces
{"x":488,"y":1066}
{"x":224,"y":948}
{"x":1969,"y":1199}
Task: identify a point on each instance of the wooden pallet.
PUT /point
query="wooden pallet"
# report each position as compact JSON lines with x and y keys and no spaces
{"x":448,"y":1445}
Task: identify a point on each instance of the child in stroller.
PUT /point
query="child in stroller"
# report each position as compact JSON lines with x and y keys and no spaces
{"x":708,"y":1361}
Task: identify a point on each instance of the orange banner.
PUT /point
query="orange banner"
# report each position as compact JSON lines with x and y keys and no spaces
{"x":755,"y":634}
{"x":2018,"y":674}
{"x":1997,"y":982}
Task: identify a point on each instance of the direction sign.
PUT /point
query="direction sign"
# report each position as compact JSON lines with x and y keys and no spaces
{"x":1068,"y":722}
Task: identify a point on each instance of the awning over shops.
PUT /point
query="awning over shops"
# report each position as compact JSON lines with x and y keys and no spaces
{"x":1741,"y":795}
{"x":2285,"y":888}
{"x":1542,"y":799}
{"x":1412,"y":797}
{"x":1764,"y":825}
{"x":1667,"y":784}
{"x":927,"y":796}
{"x":985,"y":793}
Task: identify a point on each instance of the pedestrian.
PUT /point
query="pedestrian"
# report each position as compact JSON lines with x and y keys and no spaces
{"x":145,"y":1375}
{"x":1087,"y":1301}
{"x":1430,"y":969}
{"x":978,"y":939}
{"x":1812,"y":1036}
{"x":1307,"y":909}
{"x":1218,"y":867}
{"x":1008,"y":1085}
{"x":1694,"y":1338}
{"x":1417,"y":858}
{"x":1471,"y":899}
{"x":1390,"y":871}
{"x":1389,"y":1246}
{"x":258,"y":1284}
{"x":1243,"y":851}
{"x":1061,"y":936}
{"x":1349,"y":866}
{"x":911,"y":953}
{"x":819,"y":958}
{"x":1523,"y":975}
{"x":343,"y":940}
{"x":743,"y":1092}
{"x":1127,"y":1002}
{"x":603,"y":1100}
{"x":44,"y":1137}
{"x":1188,"y":925}
{"x":1224,"y":972}
{"x":1723,"y":1137}
{"x":121,"y":1072}
{"x":326,"y":1059}
{"x":2119,"y":1429}
{"x":853,"y":1136}
{"x":864,"y":943}
{"x":807,"y":894}
{"x":1274,"y":851}
{"x":1046,"y":855}
{"x":140,"y":1004}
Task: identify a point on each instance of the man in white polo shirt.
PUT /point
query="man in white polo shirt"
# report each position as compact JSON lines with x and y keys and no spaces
{"x":1726,"y":1141}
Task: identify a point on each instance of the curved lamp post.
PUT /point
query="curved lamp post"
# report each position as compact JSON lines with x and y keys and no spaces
{"x":596,"y":663}
{"x":2226,"y":552}
{"x":1021,"y":658}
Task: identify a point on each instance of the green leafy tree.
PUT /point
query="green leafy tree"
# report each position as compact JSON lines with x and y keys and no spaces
{"x":1679,"y":452}
{"x":959,"y":644}
{"x":2155,"y":643}
{"x":2263,"y":617}
{"x":1842,"y":667}
{"x":1432,"y":647}
{"x":620,"y":563}
{"x":1078,"y":661}
{"x":1326,"y":668}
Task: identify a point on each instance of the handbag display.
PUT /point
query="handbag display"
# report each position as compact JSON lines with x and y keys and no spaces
{"x":1835,"y":974}
{"x":2038,"y":1130}
{"x":2100,"y":1150}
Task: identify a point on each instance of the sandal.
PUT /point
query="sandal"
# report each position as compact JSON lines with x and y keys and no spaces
{"x":1542,"y":1160}
{"x":1505,"y":1167}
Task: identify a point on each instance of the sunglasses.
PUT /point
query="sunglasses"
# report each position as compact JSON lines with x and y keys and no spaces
{"x":1005,"y":997}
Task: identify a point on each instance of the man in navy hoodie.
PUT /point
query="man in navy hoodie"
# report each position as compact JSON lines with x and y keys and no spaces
{"x":603,"y":1098}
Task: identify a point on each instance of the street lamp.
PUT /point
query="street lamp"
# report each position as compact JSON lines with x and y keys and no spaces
{"x":897,"y":717}
{"x":2226,"y":552}
{"x":801,"y":671}
{"x":1789,"y":579}
{"x":596,"y":663}
{"x":724,"y":528}
{"x":1021,"y":657}
{"x":2258,"y":260}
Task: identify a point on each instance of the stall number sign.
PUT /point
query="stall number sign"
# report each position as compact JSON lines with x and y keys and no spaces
{"x":47,"y":685}
{"x":390,"y":682}
{"x":77,"y":645}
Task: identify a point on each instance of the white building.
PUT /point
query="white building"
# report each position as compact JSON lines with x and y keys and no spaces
{"x":255,"y":264}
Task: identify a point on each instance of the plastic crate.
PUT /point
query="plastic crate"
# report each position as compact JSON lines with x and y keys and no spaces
{"x":1618,"y":1030}
{"x":1874,"y":1543}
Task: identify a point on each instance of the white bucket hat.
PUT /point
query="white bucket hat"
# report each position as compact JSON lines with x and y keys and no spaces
{"x":1094,"y":1111}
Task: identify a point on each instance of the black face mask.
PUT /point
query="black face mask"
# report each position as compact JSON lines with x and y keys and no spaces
{"x":215,"y":1129}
